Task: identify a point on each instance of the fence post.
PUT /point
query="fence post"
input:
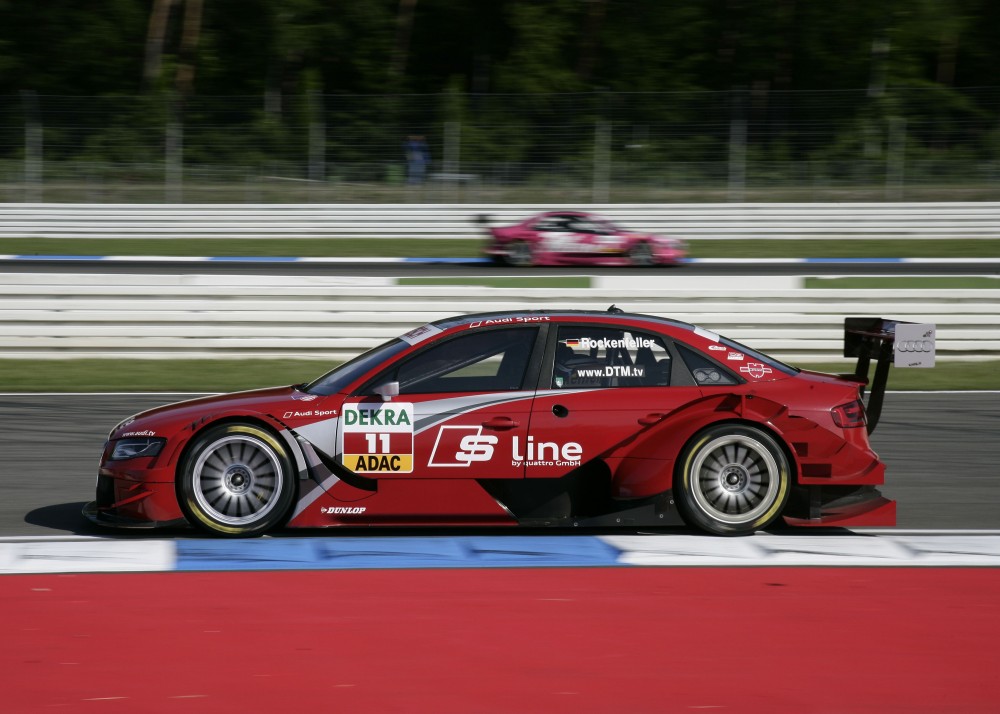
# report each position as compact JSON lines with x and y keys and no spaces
{"x":451,"y":160}
{"x":602,"y":163}
{"x":174,"y":157}
{"x":33,"y":148}
{"x":317,"y":138}
{"x":738,"y":149}
{"x":895,"y":160}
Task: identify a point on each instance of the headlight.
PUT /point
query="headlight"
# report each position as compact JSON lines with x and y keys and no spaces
{"x":132,"y":448}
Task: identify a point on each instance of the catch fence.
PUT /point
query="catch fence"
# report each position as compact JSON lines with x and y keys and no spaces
{"x":596,"y":147}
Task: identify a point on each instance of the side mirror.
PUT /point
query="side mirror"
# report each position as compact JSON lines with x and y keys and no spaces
{"x":387,"y":391}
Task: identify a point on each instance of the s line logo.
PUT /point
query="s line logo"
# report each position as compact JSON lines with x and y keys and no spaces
{"x":459,"y":446}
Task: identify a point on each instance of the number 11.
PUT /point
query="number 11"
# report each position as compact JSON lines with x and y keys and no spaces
{"x":383,"y":441}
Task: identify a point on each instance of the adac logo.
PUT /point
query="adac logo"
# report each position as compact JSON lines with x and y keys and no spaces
{"x":755,"y":369}
{"x":460,"y":446}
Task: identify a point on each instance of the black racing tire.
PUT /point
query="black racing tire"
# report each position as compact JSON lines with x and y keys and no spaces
{"x":641,"y":255}
{"x":520,"y":254}
{"x":731,"y":480}
{"x":236,"y":480}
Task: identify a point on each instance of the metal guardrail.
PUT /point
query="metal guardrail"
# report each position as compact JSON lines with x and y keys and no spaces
{"x":710,"y":221}
{"x":47,"y":315}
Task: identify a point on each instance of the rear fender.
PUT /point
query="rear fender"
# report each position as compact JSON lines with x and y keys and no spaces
{"x":645,"y":466}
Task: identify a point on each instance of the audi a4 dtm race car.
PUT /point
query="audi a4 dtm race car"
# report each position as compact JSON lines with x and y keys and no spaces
{"x":577,"y":238}
{"x":536,"y":418}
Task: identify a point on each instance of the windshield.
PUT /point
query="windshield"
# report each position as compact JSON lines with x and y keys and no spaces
{"x":337,"y":379}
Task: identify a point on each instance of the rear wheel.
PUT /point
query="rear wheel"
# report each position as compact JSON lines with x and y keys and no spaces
{"x":519,"y":254}
{"x":236,"y":481}
{"x":732,"y":479}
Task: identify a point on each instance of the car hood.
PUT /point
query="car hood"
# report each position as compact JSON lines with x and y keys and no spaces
{"x":163,"y":420}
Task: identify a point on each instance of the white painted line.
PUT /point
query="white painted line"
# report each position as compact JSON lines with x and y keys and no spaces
{"x":955,"y":550}
{"x":932,"y":548}
{"x":87,"y":556}
{"x":691,"y":282}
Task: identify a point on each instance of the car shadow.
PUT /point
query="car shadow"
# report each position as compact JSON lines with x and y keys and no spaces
{"x":68,"y":518}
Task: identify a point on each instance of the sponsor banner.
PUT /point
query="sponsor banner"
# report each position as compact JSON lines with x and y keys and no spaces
{"x":604,"y":343}
{"x":317,"y":413}
{"x":545,"y":453}
{"x":519,"y":320}
{"x":377,"y":437}
{"x":609,"y":371}
{"x":914,"y":345}
{"x":460,"y":446}
{"x":343,"y":510}
{"x":420,"y":334}
{"x":755,"y":369}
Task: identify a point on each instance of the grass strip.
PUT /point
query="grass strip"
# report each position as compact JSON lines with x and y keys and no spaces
{"x":228,"y":375}
{"x":970,"y":282}
{"x":152,"y":375}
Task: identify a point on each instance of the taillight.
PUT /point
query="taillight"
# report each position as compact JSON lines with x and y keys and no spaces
{"x":849,"y":415}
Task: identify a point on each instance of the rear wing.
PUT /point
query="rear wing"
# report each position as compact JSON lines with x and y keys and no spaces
{"x":888,"y":342}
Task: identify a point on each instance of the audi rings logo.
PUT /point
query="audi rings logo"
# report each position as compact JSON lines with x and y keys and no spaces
{"x":915,"y":346}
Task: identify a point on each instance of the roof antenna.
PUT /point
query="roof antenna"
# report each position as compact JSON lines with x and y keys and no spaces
{"x":615,"y":310}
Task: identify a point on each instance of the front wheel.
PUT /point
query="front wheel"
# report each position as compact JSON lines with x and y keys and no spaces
{"x":732,"y":479}
{"x":641,"y":255}
{"x":236,"y":481}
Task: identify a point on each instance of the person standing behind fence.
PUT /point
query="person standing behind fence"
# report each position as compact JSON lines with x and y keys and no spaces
{"x":418,"y":156}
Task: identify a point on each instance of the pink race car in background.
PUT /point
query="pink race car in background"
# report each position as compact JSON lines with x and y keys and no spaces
{"x":575,"y":238}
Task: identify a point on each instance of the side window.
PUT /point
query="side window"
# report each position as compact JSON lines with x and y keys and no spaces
{"x":552,"y":223}
{"x":705,"y":372}
{"x":609,"y":357}
{"x":604,"y":229}
{"x":582,"y":225}
{"x":478,"y":361}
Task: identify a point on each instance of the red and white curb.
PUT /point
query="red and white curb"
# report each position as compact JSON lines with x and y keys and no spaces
{"x":939,"y":549}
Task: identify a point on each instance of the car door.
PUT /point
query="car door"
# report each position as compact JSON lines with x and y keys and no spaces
{"x":555,"y":235}
{"x":463,"y":403}
{"x":602,"y":387}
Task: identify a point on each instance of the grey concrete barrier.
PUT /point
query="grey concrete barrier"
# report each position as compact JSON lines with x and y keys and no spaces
{"x":60,"y":315}
{"x":708,"y":221}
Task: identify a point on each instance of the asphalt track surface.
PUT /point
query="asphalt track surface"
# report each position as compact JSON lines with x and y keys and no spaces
{"x":459,"y":268}
{"x":941,"y":449}
{"x":780,"y":640}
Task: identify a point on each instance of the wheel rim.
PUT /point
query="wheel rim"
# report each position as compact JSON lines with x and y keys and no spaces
{"x":735,"y":479}
{"x":641,"y":255}
{"x":237,"y":480}
{"x":520,"y":254}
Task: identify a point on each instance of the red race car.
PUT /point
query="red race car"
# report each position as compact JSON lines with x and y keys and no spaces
{"x":536,"y":418}
{"x":575,"y":238}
